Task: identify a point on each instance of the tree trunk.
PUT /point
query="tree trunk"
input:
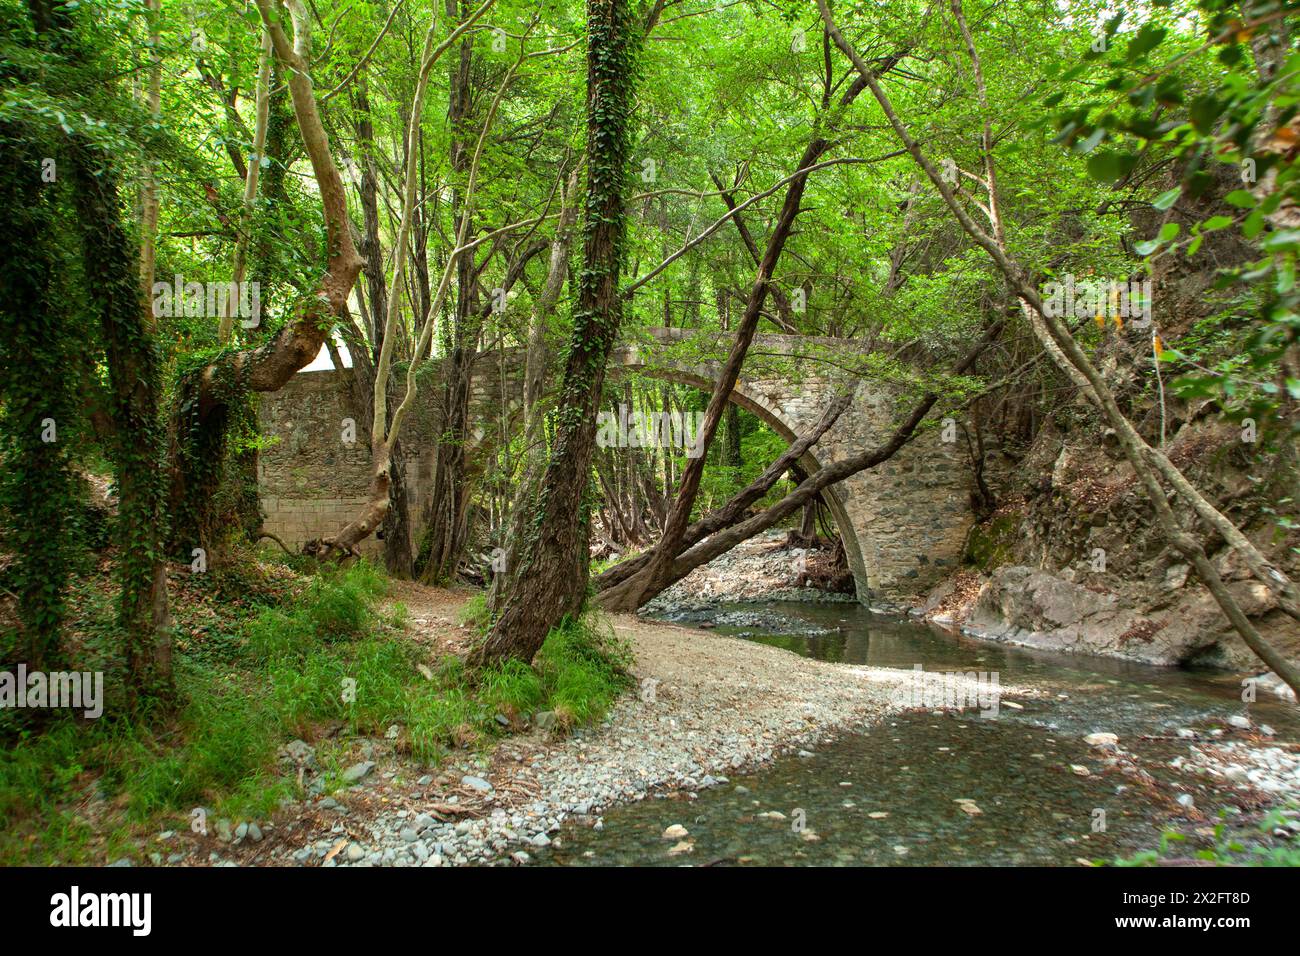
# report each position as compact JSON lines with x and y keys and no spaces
{"x":43,"y":371}
{"x":226,"y":328}
{"x":551,"y":578}
{"x":134,"y":373}
{"x":446,"y":511}
{"x":148,"y":184}
{"x":537,"y":361}
{"x":386,"y":427}
{"x":112,"y":267}
{"x":396,"y":528}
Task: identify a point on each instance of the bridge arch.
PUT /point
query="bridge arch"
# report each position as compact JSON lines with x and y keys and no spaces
{"x":750,"y":396}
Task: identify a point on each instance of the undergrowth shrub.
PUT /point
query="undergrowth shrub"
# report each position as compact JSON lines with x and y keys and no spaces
{"x":219,"y":749}
{"x":251,"y":680}
{"x":583,"y":667}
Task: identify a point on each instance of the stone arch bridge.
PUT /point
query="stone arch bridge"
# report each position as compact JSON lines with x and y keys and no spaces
{"x":903,"y":523}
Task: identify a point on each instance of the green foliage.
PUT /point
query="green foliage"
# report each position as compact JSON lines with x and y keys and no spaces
{"x":214,"y":420}
{"x":476,"y":612}
{"x":284,"y":678}
{"x":991,"y":544}
{"x":580,"y":671}
{"x":38,"y":423}
{"x":725,"y":103}
{"x":1228,"y":849}
{"x":513,"y":687}
{"x":1212,"y":109}
{"x":220,"y":746}
{"x":583,"y":669}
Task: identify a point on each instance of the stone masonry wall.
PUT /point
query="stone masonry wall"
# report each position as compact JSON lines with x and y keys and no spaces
{"x":904,"y":523}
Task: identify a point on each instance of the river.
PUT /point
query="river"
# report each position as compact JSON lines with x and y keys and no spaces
{"x":946,"y":788}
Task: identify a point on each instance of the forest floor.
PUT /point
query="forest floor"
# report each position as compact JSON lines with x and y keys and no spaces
{"x":703,"y":706}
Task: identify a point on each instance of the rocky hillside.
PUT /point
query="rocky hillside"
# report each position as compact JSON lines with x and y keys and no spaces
{"x":1071,"y":559}
{"x":1068,"y":556}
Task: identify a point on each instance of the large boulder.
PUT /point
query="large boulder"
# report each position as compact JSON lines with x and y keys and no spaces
{"x":1036,"y":608}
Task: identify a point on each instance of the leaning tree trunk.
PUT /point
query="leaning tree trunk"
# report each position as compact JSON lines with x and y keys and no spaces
{"x":680,"y":511}
{"x":210,"y":396}
{"x":735,"y":509}
{"x":654,"y":577}
{"x":634,"y":589}
{"x":364,"y":342}
{"x":551,"y":578}
{"x":722,"y":530}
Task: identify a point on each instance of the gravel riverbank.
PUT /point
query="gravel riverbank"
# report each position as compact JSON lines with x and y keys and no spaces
{"x":707,"y":706}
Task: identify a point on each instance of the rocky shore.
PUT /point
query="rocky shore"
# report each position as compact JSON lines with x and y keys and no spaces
{"x":1032,"y":608}
{"x":705,"y":706}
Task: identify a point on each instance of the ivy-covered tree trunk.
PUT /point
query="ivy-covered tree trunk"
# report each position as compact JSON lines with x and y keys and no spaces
{"x":138,"y":448}
{"x":111,"y":265}
{"x":551,"y":579}
{"x":37,"y":398}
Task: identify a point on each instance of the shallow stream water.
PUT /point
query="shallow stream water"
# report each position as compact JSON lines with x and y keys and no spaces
{"x":904,"y":791}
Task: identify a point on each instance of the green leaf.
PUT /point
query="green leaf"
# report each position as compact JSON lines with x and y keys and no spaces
{"x":1169,"y":91}
{"x":1109,"y":166}
{"x":1089,"y":144}
{"x":1286,"y":276}
{"x":1230,"y":55}
{"x":1205,"y":112}
{"x":1167,"y":199}
{"x":1147,"y":39}
{"x":1281,"y":239}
